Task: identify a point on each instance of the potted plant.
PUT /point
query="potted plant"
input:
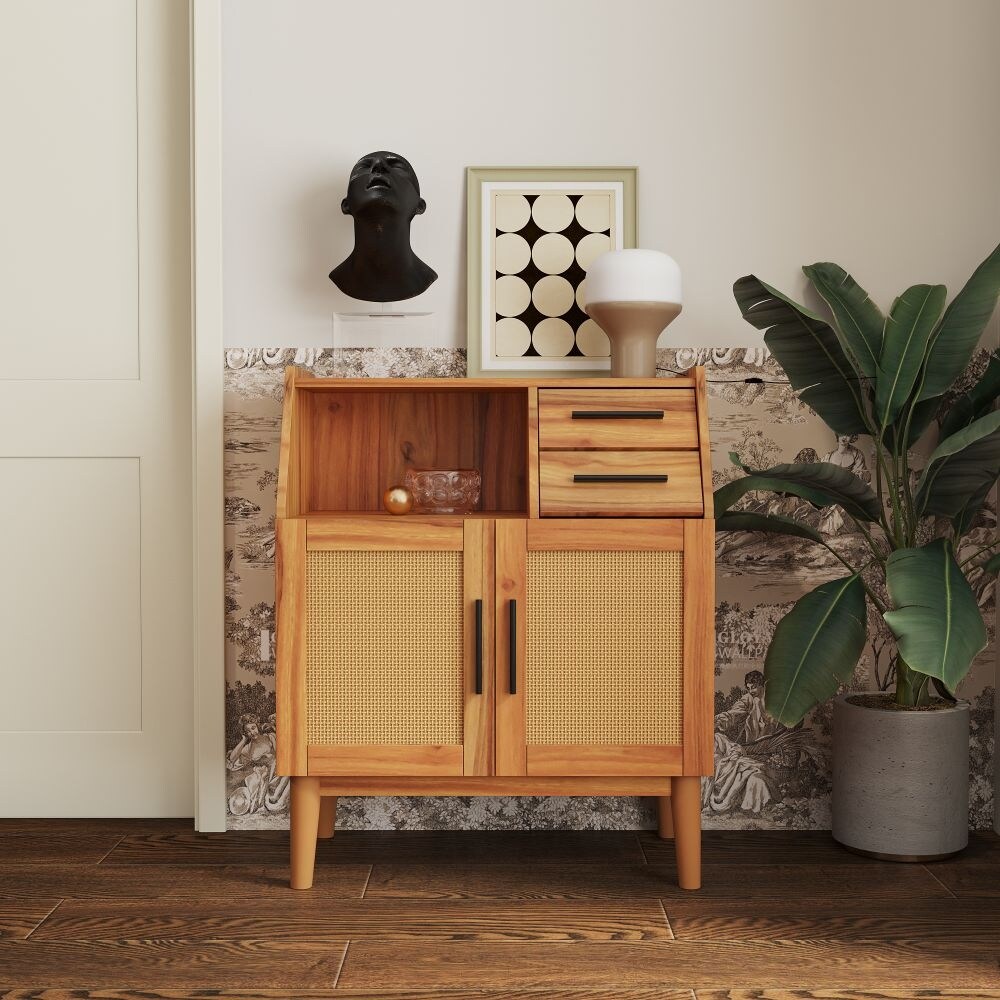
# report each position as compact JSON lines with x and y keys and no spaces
{"x":900,"y":759}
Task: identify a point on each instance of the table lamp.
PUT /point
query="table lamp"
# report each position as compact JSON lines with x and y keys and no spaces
{"x":633,"y":295}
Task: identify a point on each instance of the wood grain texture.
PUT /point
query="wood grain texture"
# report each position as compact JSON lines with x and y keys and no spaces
{"x":674,"y":964}
{"x":427,"y":760}
{"x":340,"y":433}
{"x":557,"y":428}
{"x":561,"y":496}
{"x":235,"y":847}
{"x":317,"y":918}
{"x":930,"y":922}
{"x":532,"y":442}
{"x":497,"y":785}
{"x":290,"y":657}
{"x":763,"y":847}
{"x":168,"y":964}
{"x":77,"y":828}
{"x":511,"y":561}
{"x":477,"y":584}
{"x":822,"y":885}
{"x":327,"y":816}
{"x":20,"y":916}
{"x":436,"y":430}
{"x":153,"y":993}
{"x":945,"y":993}
{"x":352,"y":847}
{"x":401,"y":881}
{"x":56,"y":846}
{"x":74,"y":829}
{"x":503,"y":419}
{"x":603,"y":759}
{"x":379,"y":516}
{"x":351,"y":438}
{"x":492,"y":916}
{"x":357,"y":442}
{"x":413,"y":532}
{"x":301,"y":433}
{"x":639,"y":534}
{"x":558,"y":993}
{"x":288,"y":501}
{"x":304,"y":830}
{"x":312,"y":383}
{"x":699,"y":646}
{"x":664,"y":819}
{"x":685,"y":807}
{"x":189,"y":880}
{"x":974,"y":880}
{"x":704,"y":443}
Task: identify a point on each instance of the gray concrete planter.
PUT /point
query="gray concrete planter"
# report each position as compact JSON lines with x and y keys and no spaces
{"x":901,"y":780}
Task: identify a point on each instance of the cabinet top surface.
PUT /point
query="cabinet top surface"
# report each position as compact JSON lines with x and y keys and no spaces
{"x":496,"y":384}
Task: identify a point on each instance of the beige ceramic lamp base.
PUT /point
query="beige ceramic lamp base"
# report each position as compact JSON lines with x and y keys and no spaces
{"x":632,"y":295}
{"x":633,"y":329}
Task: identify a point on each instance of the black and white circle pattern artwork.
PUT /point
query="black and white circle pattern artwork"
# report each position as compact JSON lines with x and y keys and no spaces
{"x":543,"y":245}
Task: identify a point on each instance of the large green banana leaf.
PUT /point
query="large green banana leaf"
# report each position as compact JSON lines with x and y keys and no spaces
{"x":808,"y":350}
{"x":923,"y":413}
{"x":859,"y":320}
{"x":821,"y":483}
{"x":977,"y":402}
{"x":960,"y":468}
{"x":962,"y":326}
{"x":963,"y":520}
{"x":908,"y":330}
{"x":742,"y":520}
{"x":936,"y":620}
{"x":815,"y":649}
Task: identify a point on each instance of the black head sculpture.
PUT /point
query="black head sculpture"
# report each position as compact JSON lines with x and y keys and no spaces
{"x":383,"y":197}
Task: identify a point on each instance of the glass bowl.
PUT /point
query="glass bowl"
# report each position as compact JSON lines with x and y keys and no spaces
{"x":444,"y":491}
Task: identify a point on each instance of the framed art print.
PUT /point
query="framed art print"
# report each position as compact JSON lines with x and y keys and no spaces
{"x":533,"y":232}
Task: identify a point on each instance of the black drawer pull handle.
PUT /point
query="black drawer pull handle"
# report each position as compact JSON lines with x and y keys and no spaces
{"x":637,"y":478}
{"x":617,"y":414}
{"x":479,"y":647}
{"x":512,"y":645}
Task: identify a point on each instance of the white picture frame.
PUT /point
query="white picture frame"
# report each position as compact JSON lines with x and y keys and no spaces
{"x":505,"y":343}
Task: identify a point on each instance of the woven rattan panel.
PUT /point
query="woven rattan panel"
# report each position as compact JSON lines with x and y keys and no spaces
{"x":384,"y":647}
{"x":605,"y":650}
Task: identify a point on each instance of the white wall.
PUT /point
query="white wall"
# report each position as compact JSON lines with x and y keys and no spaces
{"x":768,"y":134}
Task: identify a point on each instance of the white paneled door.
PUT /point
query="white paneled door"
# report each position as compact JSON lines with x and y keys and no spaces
{"x":95,"y":430}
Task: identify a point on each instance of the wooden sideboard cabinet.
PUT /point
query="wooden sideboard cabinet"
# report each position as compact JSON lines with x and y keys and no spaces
{"x":558,"y":641}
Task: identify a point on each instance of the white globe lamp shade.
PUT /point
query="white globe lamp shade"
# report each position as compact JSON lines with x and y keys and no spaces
{"x":633,"y":295}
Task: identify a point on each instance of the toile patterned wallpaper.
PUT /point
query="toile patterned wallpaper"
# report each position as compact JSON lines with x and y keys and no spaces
{"x":766,"y":776}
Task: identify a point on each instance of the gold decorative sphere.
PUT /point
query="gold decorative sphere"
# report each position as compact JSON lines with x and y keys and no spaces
{"x":397,"y":500}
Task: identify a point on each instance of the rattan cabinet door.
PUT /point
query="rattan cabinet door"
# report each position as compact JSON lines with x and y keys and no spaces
{"x":595,"y":685}
{"x":388,"y":678}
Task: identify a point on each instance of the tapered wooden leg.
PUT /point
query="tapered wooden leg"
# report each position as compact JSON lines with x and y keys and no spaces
{"x":327,"y":815}
{"x":686,"y":799}
{"x":665,"y":817}
{"x":305,"y":825}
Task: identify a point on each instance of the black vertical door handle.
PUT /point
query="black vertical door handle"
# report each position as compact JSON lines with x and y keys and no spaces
{"x":512,"y":645}
{"x":479,"y":647}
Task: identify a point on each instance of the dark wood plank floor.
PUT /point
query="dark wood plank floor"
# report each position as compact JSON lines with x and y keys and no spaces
{"x":128,"y":909}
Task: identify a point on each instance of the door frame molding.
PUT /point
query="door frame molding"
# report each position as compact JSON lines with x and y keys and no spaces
{"x":205,"y":19}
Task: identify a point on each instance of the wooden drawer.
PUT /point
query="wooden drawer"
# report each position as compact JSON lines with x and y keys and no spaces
{"x":567,"y":489}
{"x":617,"y":418}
